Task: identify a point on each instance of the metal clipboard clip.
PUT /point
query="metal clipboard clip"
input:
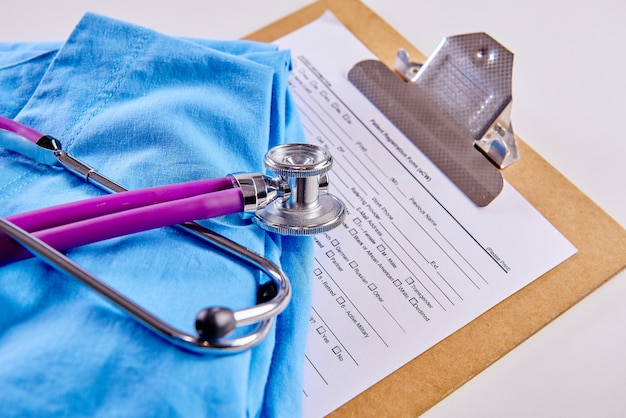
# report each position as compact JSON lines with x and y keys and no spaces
{"x":455,"y":107}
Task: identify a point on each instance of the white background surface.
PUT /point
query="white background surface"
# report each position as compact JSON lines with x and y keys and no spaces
{"x":569,"y":91}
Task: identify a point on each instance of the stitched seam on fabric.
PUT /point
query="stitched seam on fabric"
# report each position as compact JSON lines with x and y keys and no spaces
{"x":26,"y":174}
{"x":67,"y":146}
{"x":116,"y":70}
{"x":3,"y":196}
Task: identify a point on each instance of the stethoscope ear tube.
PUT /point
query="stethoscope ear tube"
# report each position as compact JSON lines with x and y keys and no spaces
{"x":213,"y":324}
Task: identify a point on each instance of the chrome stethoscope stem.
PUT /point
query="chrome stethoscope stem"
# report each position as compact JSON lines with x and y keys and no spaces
{"x":82,"y":170}
{"x":62,"y":263}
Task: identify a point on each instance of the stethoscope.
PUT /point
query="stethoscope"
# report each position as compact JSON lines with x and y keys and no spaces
{"x":294,"y":202}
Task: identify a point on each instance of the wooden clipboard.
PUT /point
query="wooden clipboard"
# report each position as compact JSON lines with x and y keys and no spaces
{"x":600,"y":240}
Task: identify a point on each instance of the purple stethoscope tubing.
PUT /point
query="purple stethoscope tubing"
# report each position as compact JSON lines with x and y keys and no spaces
{"x":92,"y":220}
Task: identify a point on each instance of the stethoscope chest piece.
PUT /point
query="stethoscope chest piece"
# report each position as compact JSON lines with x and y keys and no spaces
{"x":304,"y":206}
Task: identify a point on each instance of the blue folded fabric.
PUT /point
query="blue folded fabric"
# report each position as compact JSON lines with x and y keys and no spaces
{"x":145,"y":109}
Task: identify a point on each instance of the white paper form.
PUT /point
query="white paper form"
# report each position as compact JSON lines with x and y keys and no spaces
{"x":415,"y":259}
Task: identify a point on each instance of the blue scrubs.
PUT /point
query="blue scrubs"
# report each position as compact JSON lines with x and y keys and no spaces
{"x":145,"y":109}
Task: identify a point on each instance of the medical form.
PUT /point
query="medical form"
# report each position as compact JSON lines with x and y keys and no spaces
{"x":415,"y":259}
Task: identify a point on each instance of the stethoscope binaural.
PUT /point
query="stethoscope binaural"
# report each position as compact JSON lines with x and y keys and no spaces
{"x":294,"y":202}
